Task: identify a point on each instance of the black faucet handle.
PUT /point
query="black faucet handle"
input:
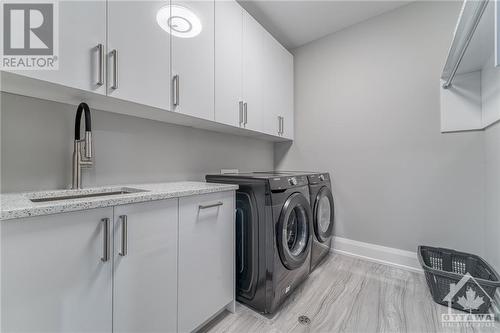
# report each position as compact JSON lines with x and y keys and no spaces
{"x":88,"y":119}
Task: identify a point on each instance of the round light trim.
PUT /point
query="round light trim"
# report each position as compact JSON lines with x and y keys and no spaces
{"x":179,"y":21}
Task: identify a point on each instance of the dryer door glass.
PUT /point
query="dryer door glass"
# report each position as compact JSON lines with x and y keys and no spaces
{"x":323,"y":214}
{"x":292,"y":231}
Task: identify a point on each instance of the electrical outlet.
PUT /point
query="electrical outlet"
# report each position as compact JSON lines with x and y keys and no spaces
{"x":226,"y":171}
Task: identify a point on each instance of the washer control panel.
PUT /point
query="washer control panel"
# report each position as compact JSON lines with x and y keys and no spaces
{"x":282,"y":183}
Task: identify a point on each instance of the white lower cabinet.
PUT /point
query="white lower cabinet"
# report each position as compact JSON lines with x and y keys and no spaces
{"x":158,"y":266}
{"x":54,"y":278}
{"x":145,"y":267}
{"x":206,"y":257}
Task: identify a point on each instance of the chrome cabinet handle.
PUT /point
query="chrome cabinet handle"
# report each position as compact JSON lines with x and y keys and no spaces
{"x":114,"y":54}
{"x":241,"y":112}
{"x":106,"y":249}
{"x":124,"y":250}
{"x":176,"y":89}
{"x":210,"y":206}
{"x":282,"y":125}
{"x":279,"y":125}
{"x":245,"y":113}
{"x":100,"y":51}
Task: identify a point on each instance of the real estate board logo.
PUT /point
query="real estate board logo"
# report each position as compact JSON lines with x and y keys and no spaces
{"x":29,"y":35}
{"x":470,"y":300}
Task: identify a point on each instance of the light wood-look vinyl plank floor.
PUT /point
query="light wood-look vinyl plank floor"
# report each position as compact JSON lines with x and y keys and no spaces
{"x":347,"y":294}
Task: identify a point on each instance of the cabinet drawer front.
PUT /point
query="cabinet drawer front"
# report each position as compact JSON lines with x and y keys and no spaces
{"x":206,"y":257}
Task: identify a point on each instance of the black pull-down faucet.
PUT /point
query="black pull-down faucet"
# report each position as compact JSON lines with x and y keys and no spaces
{"x":82,"y":149}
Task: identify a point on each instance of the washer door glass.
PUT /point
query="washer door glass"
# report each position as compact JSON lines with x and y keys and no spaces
{"x":296,"y":231}
{"x":293,"y":231}
{"x":323,"y":214}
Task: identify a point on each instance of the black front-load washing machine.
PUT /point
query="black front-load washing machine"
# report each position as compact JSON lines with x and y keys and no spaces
{"x":273,"y":236}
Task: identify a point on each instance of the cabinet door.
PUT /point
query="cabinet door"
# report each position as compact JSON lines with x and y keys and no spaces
{"x":228,"y":62}
{"x":53,"y":277}
{"x":278,"y":88}
{"x":206,"y":257}
{"x":82,"y":28}
{"x":253,"y":72}
{"x":271,"y":94}
{"x":285,"y":92}
{"x":145,"y":267}
{"x":140,"y":49}
{"x":193,"y":58}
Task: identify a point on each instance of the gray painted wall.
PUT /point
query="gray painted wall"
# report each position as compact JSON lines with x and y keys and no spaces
{"x":367,"y":111}
{"x":37,"y":136}
{"x":492,"y":172}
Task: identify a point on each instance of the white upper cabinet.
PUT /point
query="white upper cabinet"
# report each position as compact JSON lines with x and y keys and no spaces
{"x":57,"y":273}
{"x":272,"y":107}
{"x":82,"y":47}
{"x":278,"y":88}
{"x":285,"y":92}
{"x":228,"y":63}
{"x":205,"y":64}
{"x":138,"y":56}
{"x":254,"y":74}
{"x":145,"y":267}
{"x":192,"y":27}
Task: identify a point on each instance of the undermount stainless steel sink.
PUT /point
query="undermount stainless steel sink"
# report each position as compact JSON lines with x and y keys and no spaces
{"x":85,"y":194}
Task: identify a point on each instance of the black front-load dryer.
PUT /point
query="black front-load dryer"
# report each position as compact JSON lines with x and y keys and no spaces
{"x":323,"y":210}
{"x":273,"y":236}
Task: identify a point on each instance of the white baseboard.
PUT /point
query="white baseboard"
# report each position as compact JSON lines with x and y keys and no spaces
{"x":377,"y":253}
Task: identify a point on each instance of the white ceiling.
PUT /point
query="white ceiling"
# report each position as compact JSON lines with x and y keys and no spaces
{"x":297,"y":22}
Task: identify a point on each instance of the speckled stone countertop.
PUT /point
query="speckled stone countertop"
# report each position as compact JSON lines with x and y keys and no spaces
{"x":17,"y":205}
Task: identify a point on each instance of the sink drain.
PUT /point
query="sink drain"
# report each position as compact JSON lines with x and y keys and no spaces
{"x":304,"y":320}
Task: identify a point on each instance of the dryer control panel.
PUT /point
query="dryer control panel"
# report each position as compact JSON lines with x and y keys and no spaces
{"x":318,"y":178}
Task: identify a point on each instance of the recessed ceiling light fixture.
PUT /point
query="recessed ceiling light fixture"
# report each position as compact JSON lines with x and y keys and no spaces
{"x":179,"y":21}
